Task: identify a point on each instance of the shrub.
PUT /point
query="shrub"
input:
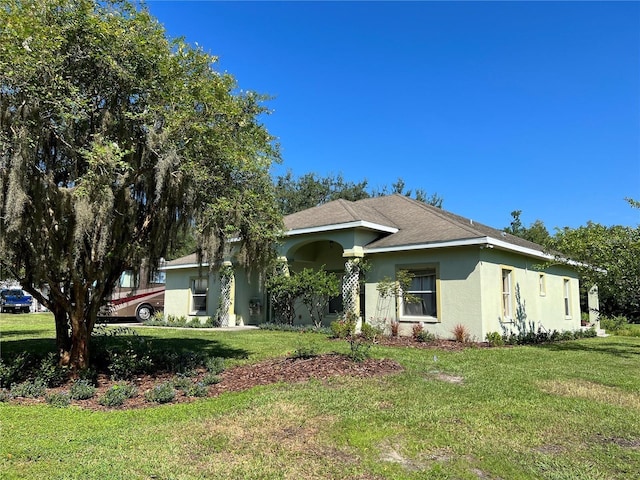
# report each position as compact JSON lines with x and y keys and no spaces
{"x":82,"y":390}
{"x":613,"y":324}
{"x":461,"y":333}
{"x":304,"y":351}
{"x":182,"y":383}
{"x":5,"y":395}
{"x":29,"y":389}
{"x":117,"y":394}
{"x":416,"y":329}
{"x":197,"y":390}
{"x":215,"y":365}
{"x":395,"y":328}
{"x":14,"y":370}
{"x":58,"y":399}
{"x":211,"y":379}
{"x":358,"y":348}
{"x":370,"y":332}
{"x":424,"y":336}
{"x":494,"y":339}
{"x":343,"y":327}
{"x":50,"y":371}
{"x":161,"y":393}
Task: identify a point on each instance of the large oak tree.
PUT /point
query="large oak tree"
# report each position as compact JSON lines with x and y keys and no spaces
{"x":114,"y":138}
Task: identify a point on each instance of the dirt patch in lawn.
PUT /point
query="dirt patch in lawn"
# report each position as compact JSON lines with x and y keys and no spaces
{"x":239,"y":378}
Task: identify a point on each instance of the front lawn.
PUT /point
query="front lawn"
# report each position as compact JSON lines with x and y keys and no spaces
{"x":561,"y":411}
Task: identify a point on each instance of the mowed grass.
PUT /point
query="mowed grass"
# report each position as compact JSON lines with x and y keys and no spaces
{"x":561,"y":411}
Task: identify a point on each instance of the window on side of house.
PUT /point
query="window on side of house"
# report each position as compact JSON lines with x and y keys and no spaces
{"x":567,"y":297}
{"x":542,"y":284}
{"x":199,"y":289}
{"x":421,"y":300}
{"x":507,"y":295}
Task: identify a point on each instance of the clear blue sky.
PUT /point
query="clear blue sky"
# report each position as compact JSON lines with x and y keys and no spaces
{"x":495,"y":106}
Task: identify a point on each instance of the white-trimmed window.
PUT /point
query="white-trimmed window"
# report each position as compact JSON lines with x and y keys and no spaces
{"x":421,"y":300}
{"x":507,"y":295}
{"x":542,"y":284}
{"x":567,"y":297}
{"x":199,"y":289}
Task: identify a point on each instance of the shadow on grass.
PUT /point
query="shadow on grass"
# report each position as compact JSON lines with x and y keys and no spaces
{"x":628,"y":348}
{"x":22,"y":333}
{"x":214,"y":348}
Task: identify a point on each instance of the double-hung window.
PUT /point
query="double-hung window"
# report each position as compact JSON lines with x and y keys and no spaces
{"x":199,"y":288}
{"x":419,"y":300}
{"x":507,"y":296}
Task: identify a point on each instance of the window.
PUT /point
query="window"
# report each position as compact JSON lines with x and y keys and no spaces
{"x":567,"y":303}
{"x":507,"y":298}
{"x":199,"y":287}
{"x":158,"y":276}
{"x":421,"y":299}
{"x":128,"y":279}
{"x":542,"y":284}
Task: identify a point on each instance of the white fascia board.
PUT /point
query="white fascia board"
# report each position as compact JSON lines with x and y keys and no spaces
{"x":184,"y":265}
{"x":481,"y":241}
{"x":422,"y":246}
{"x":343,"y":226}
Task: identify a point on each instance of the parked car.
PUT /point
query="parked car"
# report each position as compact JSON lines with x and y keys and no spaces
{"x":15,"y":300}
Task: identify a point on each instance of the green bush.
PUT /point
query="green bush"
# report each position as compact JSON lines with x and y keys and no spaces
{"x":82,"y":390}
{"x":50,"y":371}
{"x":58,"y":399}
{"x":304,"y":351}
{"x":161,"y":393}
{"x":370,"y":332}
{"x":613,"y":324}
{"x":424,"y":336}
{"x":343,"y":327}
{"x":29,"y":389}
{"x":14,"y":370}
{"x":117,"y":394}
{"x":197,"y":390}
{"x":182,"y":383}
{"x":358,"y":348}
{"x":5,"y":395}
{"x":494,"y":339}
{"x":211,"y":379}
{"x":215,"y":365}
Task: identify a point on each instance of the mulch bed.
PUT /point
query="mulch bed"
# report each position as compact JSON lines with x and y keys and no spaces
{"x":275,"y":370}
{"x":243,"y":377}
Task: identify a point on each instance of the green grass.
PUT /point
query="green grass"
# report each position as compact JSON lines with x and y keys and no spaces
{"x":561,"y":411}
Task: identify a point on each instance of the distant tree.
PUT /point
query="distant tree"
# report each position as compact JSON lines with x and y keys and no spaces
{"x":113,"y":141}
{"x":610,"y":258}
{"x":536,"y":232}
{"x":310,"y":190}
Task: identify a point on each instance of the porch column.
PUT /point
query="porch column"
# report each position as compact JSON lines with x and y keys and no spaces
{"x":351,"y":286}
{"x":593,"y":303}
{"x":226,"y":311}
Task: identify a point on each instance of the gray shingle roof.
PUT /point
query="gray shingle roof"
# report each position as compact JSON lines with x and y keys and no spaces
{"x":417,"y":223}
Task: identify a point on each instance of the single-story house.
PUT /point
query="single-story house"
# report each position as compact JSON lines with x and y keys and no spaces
{"x":462,"y":272}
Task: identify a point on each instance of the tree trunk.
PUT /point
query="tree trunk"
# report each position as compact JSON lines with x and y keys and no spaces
{"x":80,"y":336}
{"x":63,"y":337}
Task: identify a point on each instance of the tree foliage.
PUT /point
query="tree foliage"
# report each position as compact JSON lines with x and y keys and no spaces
{"x":310,"y":190}
{"x":113,"y":140}
{"x":536,"y":232}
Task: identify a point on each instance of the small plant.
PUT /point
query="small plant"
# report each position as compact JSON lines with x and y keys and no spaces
{"x":182,"y":383}
{"x":344,"y":327}
{"x":58,"y":399}
{"x":358,"y":348}
{"x":161,"y":393}
{"x":215,"y":365}
{"x":416,"y":330}
{"x":395,"y":328}
{"x":370,"y":332}
{"x":82,"y":390}
{"x":29,"y":389}
{"x":424,"y":336}
{"x":304,"y":351}
{"x":50,"y":371}
{"x":211,"y":379}
{"x":197,"y":390}
{"x":613,"y":324}
{"x":117,"y":394}
{"x":494,"y":339}
{"x":5,"y":395}
{"x":13,"y":371}
{"x":461,"y":333}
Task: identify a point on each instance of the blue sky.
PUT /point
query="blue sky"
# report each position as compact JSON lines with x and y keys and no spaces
{"x":495,"y":106}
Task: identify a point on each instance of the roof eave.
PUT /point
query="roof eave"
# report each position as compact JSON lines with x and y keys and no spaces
{"x":342,"y":226}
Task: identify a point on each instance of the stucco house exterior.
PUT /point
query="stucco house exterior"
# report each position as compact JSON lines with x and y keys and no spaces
{"x":462,"y":272}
